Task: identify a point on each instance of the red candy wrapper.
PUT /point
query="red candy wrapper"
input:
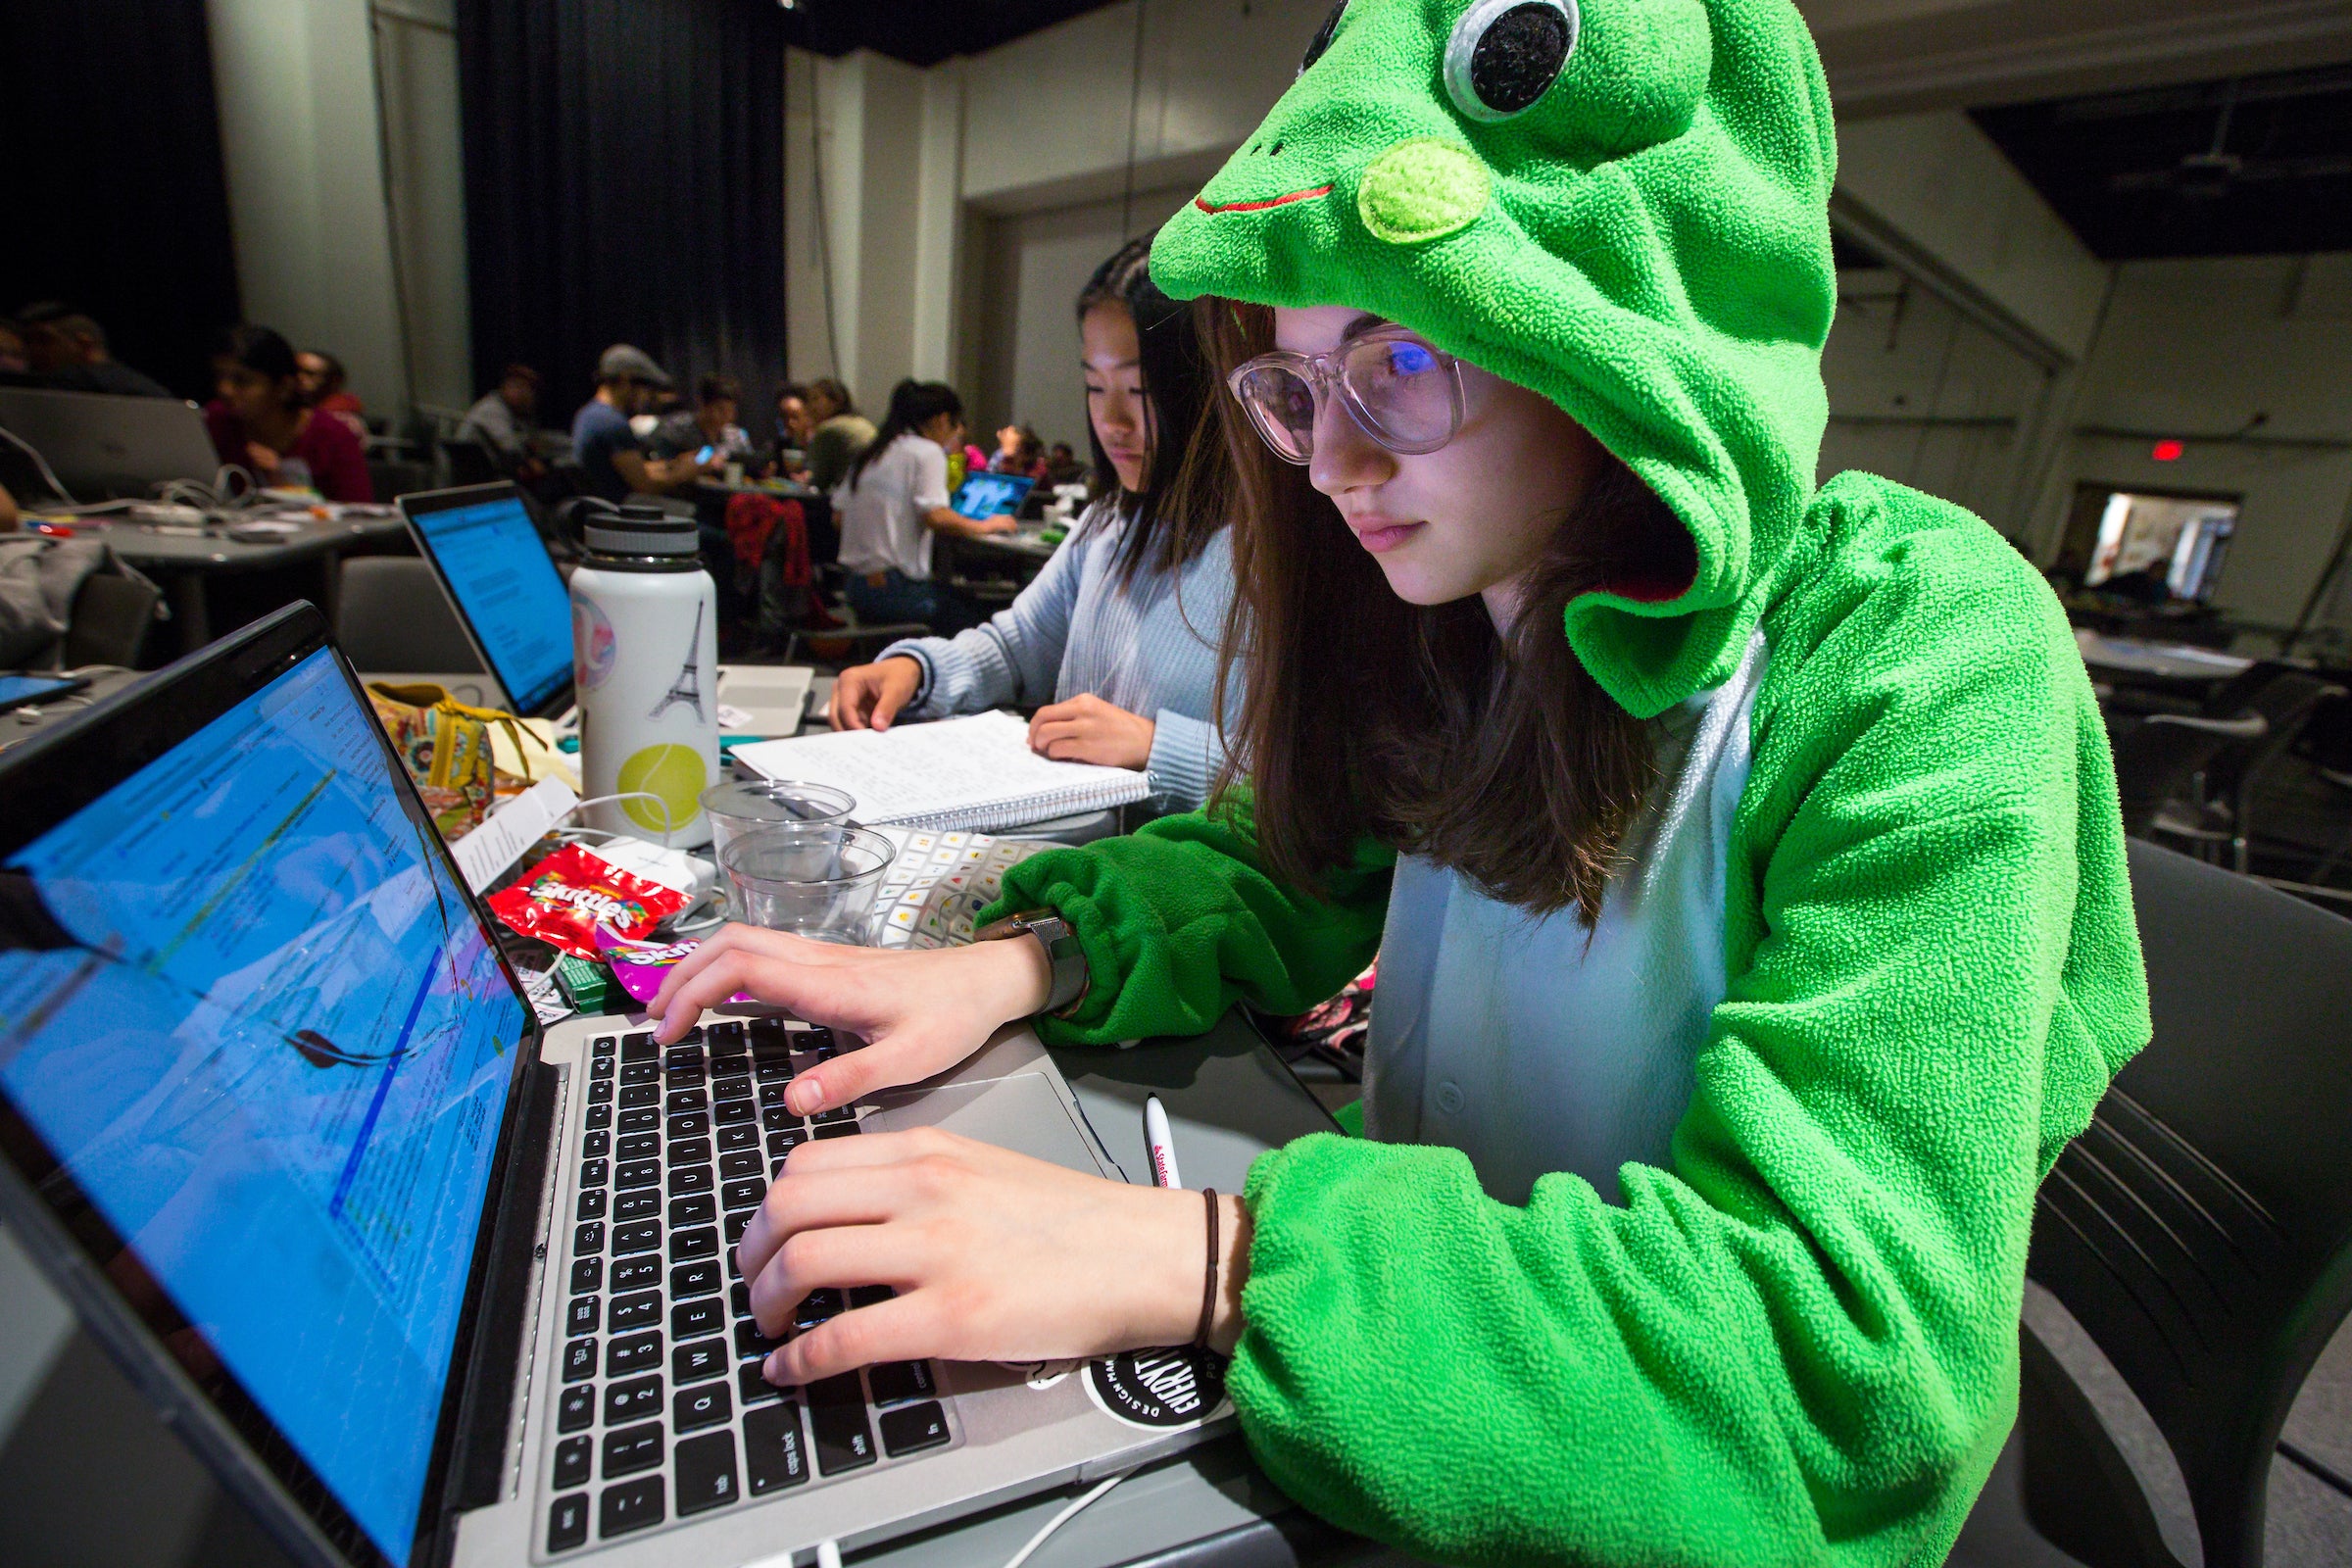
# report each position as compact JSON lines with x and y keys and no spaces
{"x":566,"y":898}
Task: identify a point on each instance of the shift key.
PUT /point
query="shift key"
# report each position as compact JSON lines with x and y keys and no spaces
{"x":837,"y":1421}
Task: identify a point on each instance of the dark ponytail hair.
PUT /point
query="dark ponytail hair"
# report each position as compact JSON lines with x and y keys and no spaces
{"x":1163,"y":530}
{"x":912,"y":405}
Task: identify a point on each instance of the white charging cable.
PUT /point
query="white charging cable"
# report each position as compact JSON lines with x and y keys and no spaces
{"x":1069,"y":1511}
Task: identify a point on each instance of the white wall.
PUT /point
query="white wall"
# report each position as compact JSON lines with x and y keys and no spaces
{"x":417,"y":44}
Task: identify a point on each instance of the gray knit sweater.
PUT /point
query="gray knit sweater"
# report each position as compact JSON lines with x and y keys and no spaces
{"x":1149,"y":648}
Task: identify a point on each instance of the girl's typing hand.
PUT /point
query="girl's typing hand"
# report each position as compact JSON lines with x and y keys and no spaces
{"x":1087,"y":729}
{"x":992,"y":1255}
{"x":869,"y":696}
{"x":920,"y":1011}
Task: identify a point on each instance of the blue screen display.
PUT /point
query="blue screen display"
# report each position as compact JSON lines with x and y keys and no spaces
{"x":248,"y":1008}
{"x":986,"y":495}
{"x":508,"y":587}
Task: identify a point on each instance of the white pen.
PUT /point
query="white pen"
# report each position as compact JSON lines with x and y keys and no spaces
{"x":1162,"y":1145}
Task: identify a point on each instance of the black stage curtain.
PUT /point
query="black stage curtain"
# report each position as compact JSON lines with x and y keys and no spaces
{"x":625,"y":182}
{"x":115,"y":202}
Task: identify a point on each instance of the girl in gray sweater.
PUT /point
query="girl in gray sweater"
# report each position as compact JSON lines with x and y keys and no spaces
{"x":1117,"y":636}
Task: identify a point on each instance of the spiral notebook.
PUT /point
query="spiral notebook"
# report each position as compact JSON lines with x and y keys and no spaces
{"x":974,"y":774}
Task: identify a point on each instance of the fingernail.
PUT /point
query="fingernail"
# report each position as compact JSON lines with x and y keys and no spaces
{"x":802,"y":1097}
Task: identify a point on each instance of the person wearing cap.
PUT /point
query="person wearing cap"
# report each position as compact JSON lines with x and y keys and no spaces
{"x":1742,"y":851}
{"x":611,"y":456}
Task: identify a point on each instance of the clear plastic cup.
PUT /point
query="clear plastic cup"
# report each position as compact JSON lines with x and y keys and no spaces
{"x":815,"y":881}
{"x":746,"y":805}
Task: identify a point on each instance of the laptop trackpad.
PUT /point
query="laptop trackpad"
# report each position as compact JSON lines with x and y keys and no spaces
{"x":1021,"y":1114}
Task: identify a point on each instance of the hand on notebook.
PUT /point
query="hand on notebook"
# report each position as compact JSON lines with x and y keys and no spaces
{"x":920,"y":1011}
{"x":994,"y":1256}
{"x":1087,"y":729}
{"x":869,"y":696}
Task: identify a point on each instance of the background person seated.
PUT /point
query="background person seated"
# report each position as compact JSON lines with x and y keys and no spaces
{"x":838,"y":435}
{"x":502,"y":420}
{"x":895,"y":500}
{"x":1018,"y":452}
{"x":1062,"y":465}
{"x":260,"y":420}
{"x":326,"y":383}
{"x":67,"y":351}
{"x":612,"y":455}
{"x":710,"y":422}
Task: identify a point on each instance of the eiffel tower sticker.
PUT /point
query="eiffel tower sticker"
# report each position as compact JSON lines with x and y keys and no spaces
{"x":688,"y":687}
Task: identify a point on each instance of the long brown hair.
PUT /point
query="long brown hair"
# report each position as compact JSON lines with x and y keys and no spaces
{"x":1497,"y":756}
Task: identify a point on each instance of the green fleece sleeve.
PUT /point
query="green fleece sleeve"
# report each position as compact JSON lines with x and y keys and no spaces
{"x":1799,"y":1343}
{"x":1179,"y":921}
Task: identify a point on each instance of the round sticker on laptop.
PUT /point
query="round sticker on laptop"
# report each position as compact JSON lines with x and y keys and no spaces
{"x":1165,"y":1389}
{"x":594,"y":647}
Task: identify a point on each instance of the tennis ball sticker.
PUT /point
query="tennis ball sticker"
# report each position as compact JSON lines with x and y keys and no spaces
{"x":672,"y":773}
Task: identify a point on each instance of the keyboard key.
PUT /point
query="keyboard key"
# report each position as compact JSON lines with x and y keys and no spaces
{"x":598,"y":1116}
{"x":837,"y":1420}
{"x":643,"y":1203}
{"x":695,"y":1279}
{"x":637,"y":1096}
{"x":839,"y":1113}
{"x":749,"y":1341}
{"x":771,"y":1447}
{"x":599,"y":1091}
{"x":631,"y":1450}
{"x":593,"y":1172}
{"x":638,"y":1173}
{"x":640,"y":1310}
{"x":690,"y":1151}
{"x":728,"y":1036}
{"x":636,"y":1273}
{"x":703,"y":1359}
{"x":634,"y":1506}
{"x":639,"y":1353}
{"x":776,"y":1119}
{"x":596,"y":1145}
{"x":772,"y":1093}
{"x":601,"y":1068}
{"x":591,"y":1205}
{"x":637,"y":1400}
{"x":738,"y":1221}
{"x":640,"y":1146}
{"x":568,"y":1522}
{"x":701,"y":1210}
{"x":752,"y":1389}
{"x":587,"y":1239}
{"x":781,"y":1143}
{"x":683,"y":1100}
{"x":898,"y":1381}
{"x":690,"y":1320}
{"x":742,"y":1163}
{"x":744,"y":1193}
{"x":735,"y":1112}
{"x":641,"y":1072}
{"x":706,"y":1471}
{"x":639,"y":1121}
{"x":816,"y":1306}
{"x":740,"y":1136}
{"x":772,"y":1069}
{"x":694,"y":1124}
{"x":604,"y":1044}
{"x":837,"y":1130}
{"x":579,"y":1361}
{"x":708,"y":1405}
{"x":638,"y":1048}
{"x":913,"y":1429}
{"x":739,"y":1297}
{"x":576,"y":1409}
{"x":701,"y":1241}
{"x":869,"y":1295}
{"x":686,"y":1179}
{"x":767,"y":1034}
{"x":682,"y":1058}
{"x":642,"y":1236}
{"x":573,"y":1456}
{"x":730,"y":1088}
{"x":580,"y":1317}
{"x":686,"y":1077}
{"x":587,"y":1274}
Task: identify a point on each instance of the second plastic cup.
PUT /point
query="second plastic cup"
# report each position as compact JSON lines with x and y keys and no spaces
{"x":746,"y":805}
{"x":812,"y":881}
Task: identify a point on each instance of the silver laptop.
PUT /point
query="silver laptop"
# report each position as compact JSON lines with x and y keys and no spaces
{"x":423,"y":1282}
{"x":105,"y":444}
{"x":486,"y":553}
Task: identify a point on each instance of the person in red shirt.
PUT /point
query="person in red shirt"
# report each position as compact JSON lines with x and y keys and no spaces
{"x":262,"y":421}
{"x":327,"y":386}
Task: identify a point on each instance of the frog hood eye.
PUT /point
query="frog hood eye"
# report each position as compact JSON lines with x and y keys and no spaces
{"x":1504,"y":54}
{"x":1322,"y":38}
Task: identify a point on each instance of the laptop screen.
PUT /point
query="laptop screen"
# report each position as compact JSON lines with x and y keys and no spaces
{"x":255,"y":1018}
{"x":490,"y":556}
{"x":989,"y":495}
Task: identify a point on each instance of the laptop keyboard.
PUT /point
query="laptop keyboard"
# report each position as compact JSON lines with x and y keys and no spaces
{"x":663,"y":1412}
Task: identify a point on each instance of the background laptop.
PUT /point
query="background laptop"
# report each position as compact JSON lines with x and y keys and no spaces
{"x":485,"y":549}
{"x":103,"y":444}
{"x":988,"y":495}
{"x":421,"y":1282}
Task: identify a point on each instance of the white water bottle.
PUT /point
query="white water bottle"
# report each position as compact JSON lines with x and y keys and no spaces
{"x":644,"y":661}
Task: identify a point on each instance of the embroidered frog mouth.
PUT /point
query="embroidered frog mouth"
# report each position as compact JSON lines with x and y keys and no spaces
{"x":1207,"y":206}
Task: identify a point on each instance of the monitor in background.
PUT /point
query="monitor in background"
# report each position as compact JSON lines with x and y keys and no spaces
{"x":2178,"y":541}
{"x":488,"y":554}
{"x":254,"y":1019}
{"x":990,"y":495}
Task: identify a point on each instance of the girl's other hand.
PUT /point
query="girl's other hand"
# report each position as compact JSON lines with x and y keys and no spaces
{"x":869,"y":696}
{"x":1087,"y":729}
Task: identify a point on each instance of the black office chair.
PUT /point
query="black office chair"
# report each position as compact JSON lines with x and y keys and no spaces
{"x":2158,"y":758}
{"x":2201,"y":1230}
{"x":471,"y":463}
{"x":2220,"y":811}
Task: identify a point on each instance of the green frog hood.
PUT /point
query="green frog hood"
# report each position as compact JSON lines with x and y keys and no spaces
{"x":1621,"y":204}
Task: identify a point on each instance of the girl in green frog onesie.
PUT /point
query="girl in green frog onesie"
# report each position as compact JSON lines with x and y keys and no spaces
{"x":1743,"y":856}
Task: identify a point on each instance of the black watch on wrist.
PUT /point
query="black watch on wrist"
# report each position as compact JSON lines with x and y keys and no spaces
{"x":1070,"y":974}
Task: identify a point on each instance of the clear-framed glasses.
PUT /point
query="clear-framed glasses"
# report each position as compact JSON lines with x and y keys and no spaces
{"x":1403,"y":393}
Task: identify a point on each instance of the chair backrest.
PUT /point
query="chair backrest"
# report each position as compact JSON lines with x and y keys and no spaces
{"x":391,"y":616}
{"x":2201,"y":1229}
{"x":2286,"y":702}
{"x":2156,"y":757}
{"x":469,"y":463}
